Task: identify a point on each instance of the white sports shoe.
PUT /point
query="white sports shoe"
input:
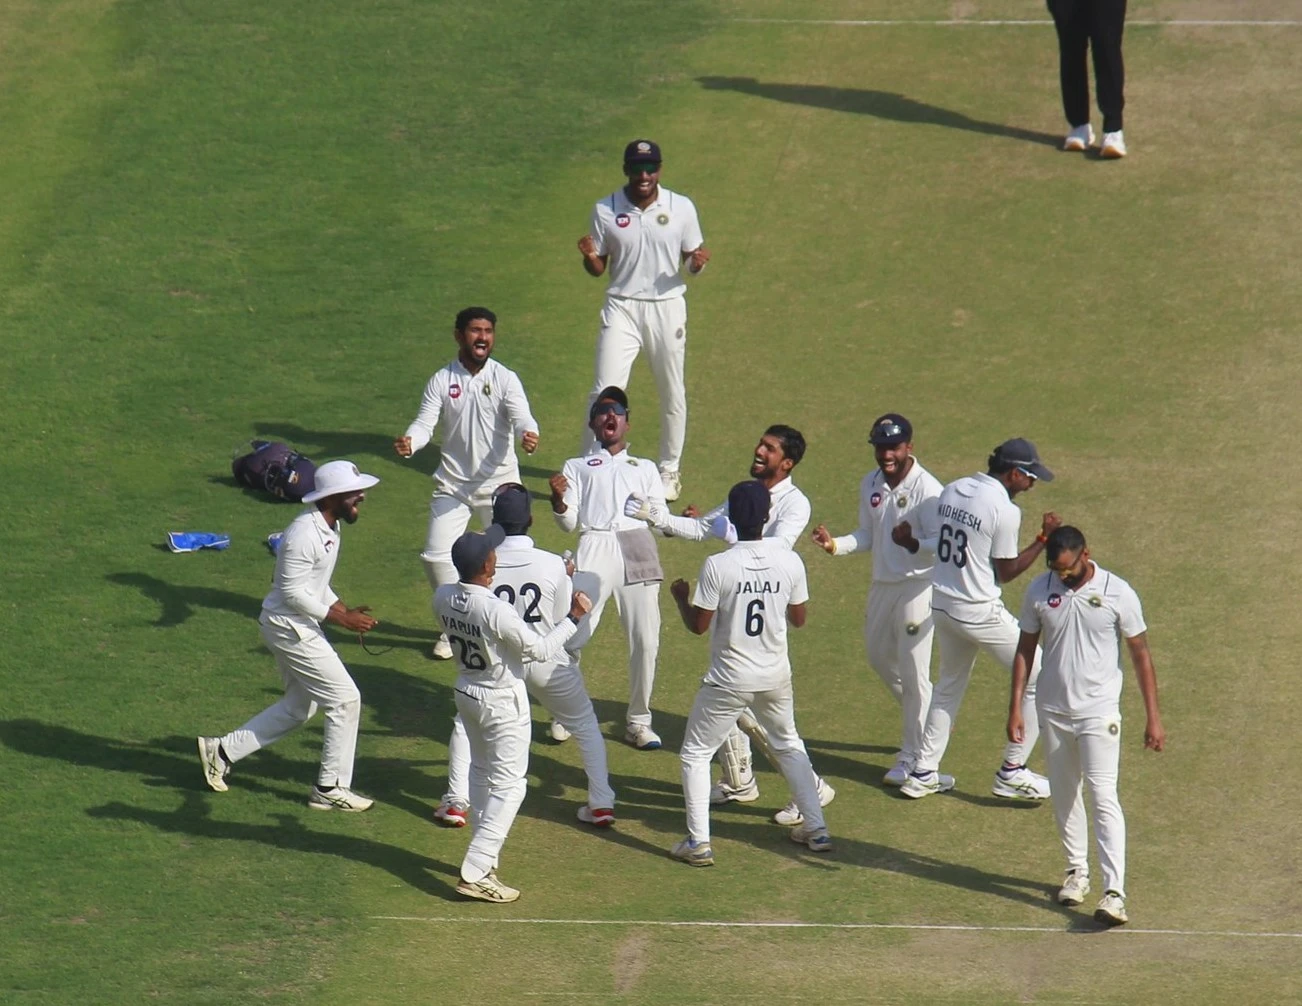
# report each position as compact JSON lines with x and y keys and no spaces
{"x":598,"y":817}
{"x":920,"y":784}
{"x":488,"y":889}
{"x":339,"y":798}
{"x":451,"y":812}
{"x":721,"y":792}
{"x":1111,"y":910}
{"x":693,"y":855}
{"x":898,"y":772}
{"x":1114,"y":148}
{"x":1020,"y":784}
{"x":1074,"y":888}
{"x":642,"y":737}
{"x":790,"y":814}
{"x":817,"y":840}
{"x":442,"y":649}
{"x":1079,"y":139}
{"x":558,"y":732}
{"x":673,"y":483}
{"x":215,"y":767}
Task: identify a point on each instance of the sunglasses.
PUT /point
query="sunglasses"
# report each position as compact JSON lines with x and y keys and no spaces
{"x":606,"y":407}
{"x":633,"y":170}
{"x":1029,"y":474}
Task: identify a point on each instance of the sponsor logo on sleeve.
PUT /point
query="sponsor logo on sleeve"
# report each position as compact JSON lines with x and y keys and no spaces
{"x":595,"y":462}
{"x":623,"y":220}
{"x":454,"y":391}
{"x":875,"y":500}
{"x":1055,"y":600}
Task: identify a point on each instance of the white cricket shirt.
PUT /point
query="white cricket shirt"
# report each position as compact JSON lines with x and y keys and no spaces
{"x":646,"y":246}
{"x":1081,"y":632}
{"x":305,"y":561}
{"x":977,"y":524}
{"x":532,"y":581}
{"x":481,"y":416}
{"x":749,"y":587}
{"x":880,"y":509}
{"x":789,"y":513}
{"x":599,"y":483}
{"x":490,"y":641}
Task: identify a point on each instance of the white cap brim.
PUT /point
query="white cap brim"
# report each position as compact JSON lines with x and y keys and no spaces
{"x":354,"y":485}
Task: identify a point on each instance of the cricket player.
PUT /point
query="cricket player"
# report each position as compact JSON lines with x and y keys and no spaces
{"x":976,"y":551}
{"x":897,"y":624}
{"x":482,"y":408}
{"x":314,"y":676}
{"x":779,"y":450}
{"x":754,"y":588}
{"x":617,"y":554}
{"x":493,"y":644}
{"x":643,"y":234}
{"x":536,"y":583}
{"x":1080,"y":611}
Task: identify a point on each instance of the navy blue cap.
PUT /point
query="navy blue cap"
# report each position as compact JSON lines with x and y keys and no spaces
{"x":511,"y":505}
{"x":471,"y":550}
{"x":642,"y":152}
{"x":609,"y":394}
{"x":1019,"y":453}
{"x":890,"y":430}
{"x":748,"y":504}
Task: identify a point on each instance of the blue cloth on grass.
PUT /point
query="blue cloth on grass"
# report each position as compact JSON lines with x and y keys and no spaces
{"x":192,"y":541}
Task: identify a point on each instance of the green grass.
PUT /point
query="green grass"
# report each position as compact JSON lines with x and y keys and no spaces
{"x":224,"y":221}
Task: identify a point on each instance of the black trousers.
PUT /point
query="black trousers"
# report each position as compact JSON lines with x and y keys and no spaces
{"x":1094,"y":25}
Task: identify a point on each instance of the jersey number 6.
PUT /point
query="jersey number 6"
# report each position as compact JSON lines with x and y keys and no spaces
{"x":755,"y":617}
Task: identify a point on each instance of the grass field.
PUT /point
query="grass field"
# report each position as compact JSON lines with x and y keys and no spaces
{"x":221,"y":221}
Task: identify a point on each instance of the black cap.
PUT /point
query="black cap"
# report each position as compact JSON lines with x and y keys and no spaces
{"x":891,"y":430}
{"x":471,"y":550}
{"x":610,"y":394}
{"x":511,"y":505}
{"x":1019,"y":453}
{"x":748,"y":504}
{"x":641,"y":152}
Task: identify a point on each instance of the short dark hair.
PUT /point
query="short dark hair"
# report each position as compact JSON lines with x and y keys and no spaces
{"x":468,"y":314}
{"x":792,"y":440}
{"x":997,"y":466}
{"x":1063,"y":539}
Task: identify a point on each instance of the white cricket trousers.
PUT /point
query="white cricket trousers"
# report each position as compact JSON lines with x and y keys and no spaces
{"x":314,"y":678}
{"x":497,"y":725}
{"x":448,"y":519}
{"x":560,"y":690}
{"x":714,"y":713}
{"x":994,"y":630}
{"x":1084,"y":752}
{"x":897,"y":632}
{"x":659,"y":327}
{"x":600,"y":574}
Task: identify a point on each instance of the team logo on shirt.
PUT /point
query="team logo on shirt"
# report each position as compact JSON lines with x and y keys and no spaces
{"x":595,"y":462}
{"x":875,"y":500}
{"x":454,"y":391}
{"x":902,"y":501}
{"x":1096,"y":601}
{"x":329,"y":544}
{"x":911,"y":629}
{"x":623,"y":220}
{"x":1055,"y":600}
{"x":662,"y":219}
{"x":488,"y":388}
{"x":1114,"y":728}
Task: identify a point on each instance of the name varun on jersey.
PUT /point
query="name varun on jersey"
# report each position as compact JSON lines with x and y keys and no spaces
{"x":463,"y":628}
{"x":949,"y":512}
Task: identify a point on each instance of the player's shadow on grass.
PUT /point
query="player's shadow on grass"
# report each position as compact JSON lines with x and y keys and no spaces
{"x":880,"y":104}
{"x":194,"y":817}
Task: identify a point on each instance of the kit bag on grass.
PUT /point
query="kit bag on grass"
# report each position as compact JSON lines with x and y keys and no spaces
{"x":275,"y":468}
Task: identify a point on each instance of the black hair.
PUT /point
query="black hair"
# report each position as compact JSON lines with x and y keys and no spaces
{"x":750,"y":533}
{"x":1063,"y":539}
{"x":997,"y":466}
{"x":466,"y":315}
{"x":793,"y":442}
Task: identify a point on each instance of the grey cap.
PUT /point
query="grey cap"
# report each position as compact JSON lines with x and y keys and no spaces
{"x":1020,"y":453}
{"x":471,"y":550}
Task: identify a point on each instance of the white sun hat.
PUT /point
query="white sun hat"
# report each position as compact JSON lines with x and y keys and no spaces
{"x":335,"y":477}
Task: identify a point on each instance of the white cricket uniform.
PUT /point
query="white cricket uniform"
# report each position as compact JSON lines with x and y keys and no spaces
{"x":491,"y":644}
{"x":599,"y":484}
{"x":977,"y":523}
{"x":789,"y":513}
{"x":313,"y":674}
{"x":645,"y":307}
{"x":748,"y":587}
{"x":897,"y":623}
{"x":481,"y":417}
{"x":535,"y":582}
{"x":1079,"y":707}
